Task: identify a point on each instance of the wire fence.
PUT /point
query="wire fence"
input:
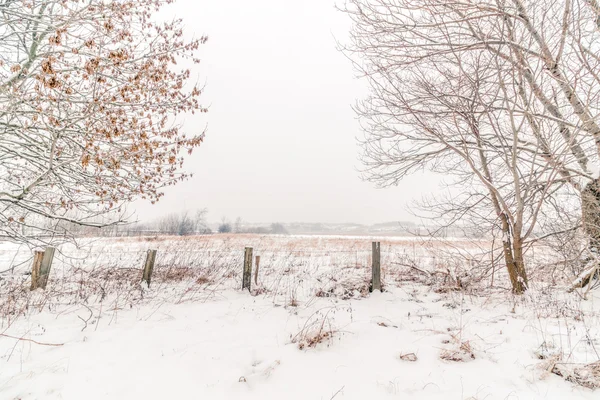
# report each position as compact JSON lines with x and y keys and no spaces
{"x":290,"y":270}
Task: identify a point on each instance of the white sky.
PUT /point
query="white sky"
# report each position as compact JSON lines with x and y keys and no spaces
{"x":280,"y":144}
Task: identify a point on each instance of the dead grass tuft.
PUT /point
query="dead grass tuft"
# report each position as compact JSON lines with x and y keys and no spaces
{"x":411,"y":357}
{"x":464,"y":353}
{"x":259,"y":290}
{"x":317,"y":329}
{"x":586,"y":375}
{"x":346,"y":289}
{"x":174,"y":274}
{"x":323,"y":293}
{"x":202,"y":280}
{"x":313,"y":340}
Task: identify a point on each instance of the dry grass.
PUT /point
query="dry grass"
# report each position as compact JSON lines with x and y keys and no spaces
{"x":463,"y":353}
{"x":317,"y":329}
{"x":259,"y":291}
{"x":313,"y":340}
{"x":586,"y":375}
{"x":411,"y":357}
{"x":345,"y":288}
{"x":294,"y":270}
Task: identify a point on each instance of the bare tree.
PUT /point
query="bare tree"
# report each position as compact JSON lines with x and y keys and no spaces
{"x":200,"y":224}
{"x":278,"y":229}
{"x":183,"y":223}
{"x":225,"y":226}
{"x":463,"y":88}
{"x":237,"y":226}
{"x":89,"y":94}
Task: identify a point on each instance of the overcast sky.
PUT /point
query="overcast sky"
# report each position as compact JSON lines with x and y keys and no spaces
{"x":281,"y":139}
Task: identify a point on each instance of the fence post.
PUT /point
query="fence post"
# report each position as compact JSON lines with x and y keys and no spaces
{"x":149,"y":266}
{"x":256,"y":271}
{"x":45,"y":266}
{"x":376,"y":280}
{"x":42,"y":262}
{"x":35,"y":269}
{"x":247,"y":277}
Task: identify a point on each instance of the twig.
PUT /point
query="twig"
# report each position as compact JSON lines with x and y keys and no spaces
{"x":85,"y":321}
{"x":31,"y":340}
{"x":413,"y":267}
{"x":336,"y":393}
{"x":532,"y":241}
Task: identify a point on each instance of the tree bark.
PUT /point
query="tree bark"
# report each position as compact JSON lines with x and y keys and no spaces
{"x":590,"y":218}
{"x":513,"y":258}
{"x":519,"y":266}
{"x":590,"y":213}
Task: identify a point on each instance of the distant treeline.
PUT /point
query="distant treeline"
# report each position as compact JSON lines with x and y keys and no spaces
{"x":183,"y":223}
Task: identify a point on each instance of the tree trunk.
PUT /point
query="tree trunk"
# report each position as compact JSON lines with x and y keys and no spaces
{"x":515,"y":265}
{"x":519,"y":265}
{"x":513,"y":258}
{"x":590,"y":213}
{"x":590,"y":218}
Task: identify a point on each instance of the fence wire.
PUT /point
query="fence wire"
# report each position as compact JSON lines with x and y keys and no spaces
{"x":291,"y":271}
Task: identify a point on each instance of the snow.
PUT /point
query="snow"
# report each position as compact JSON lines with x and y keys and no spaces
{"x":594,"y":170}
{"x":223,"y":343}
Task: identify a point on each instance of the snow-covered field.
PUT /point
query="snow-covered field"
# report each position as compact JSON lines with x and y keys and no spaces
{"x":309,"y":330}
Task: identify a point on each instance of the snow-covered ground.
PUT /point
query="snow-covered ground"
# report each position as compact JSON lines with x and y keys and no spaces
{"x":310,"y":330}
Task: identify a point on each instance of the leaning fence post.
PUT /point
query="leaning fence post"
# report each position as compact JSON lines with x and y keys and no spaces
{"x":247,"y":278}
{"x":376,"y":280}
{"x":35,"y":269}
{"x":42,"y":262}
{"x":45,"y":266}
{"x":256,"y":270}
{"x":149,"y":266}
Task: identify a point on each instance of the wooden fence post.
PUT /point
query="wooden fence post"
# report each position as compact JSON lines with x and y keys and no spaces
{"x":247,"y":277}
{"x":35,"y":269}
{"x":149,"y":266}
{"x":42,"y":262}
{"x":46,"y":265}
{"x":256,"y":271}
{"x":376,"y":280}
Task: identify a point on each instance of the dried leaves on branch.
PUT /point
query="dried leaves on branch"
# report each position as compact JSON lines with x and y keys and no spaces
{"x":90,"y":95}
